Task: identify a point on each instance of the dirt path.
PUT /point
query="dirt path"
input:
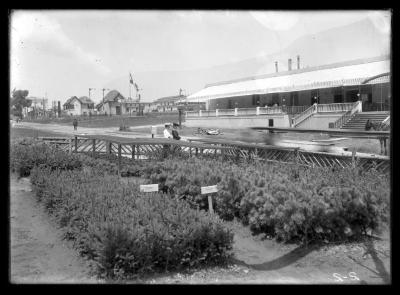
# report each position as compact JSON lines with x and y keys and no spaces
{"x":38,"y":254}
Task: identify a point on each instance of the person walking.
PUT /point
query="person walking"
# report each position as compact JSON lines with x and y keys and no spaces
{"x":75,"y":123}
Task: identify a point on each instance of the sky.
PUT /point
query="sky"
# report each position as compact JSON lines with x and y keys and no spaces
{"x":61,"y":53}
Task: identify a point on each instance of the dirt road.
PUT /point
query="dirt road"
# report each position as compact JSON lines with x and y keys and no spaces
{"x":38,"y":254}
{"x":63,"y":129}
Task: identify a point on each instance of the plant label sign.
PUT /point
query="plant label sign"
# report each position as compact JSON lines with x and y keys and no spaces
{"x":209,"y":189}
{"x":147,"y":188}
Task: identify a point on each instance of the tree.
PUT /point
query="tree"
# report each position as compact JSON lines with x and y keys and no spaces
{"x":19,"y":101}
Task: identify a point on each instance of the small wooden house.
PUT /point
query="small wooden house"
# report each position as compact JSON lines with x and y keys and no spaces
{"x":75,"y":106}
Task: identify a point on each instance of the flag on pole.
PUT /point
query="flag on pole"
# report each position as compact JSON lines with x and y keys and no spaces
{"x":137,"y":88}
{"x":130,"y":78}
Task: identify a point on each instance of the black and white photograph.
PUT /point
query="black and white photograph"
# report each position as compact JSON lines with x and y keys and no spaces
{"x":200,"y":147}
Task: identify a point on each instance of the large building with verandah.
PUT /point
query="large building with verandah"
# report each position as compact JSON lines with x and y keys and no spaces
{"x":358,"y":85}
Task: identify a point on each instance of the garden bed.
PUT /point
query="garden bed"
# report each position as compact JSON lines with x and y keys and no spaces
{"x":286,"y":202}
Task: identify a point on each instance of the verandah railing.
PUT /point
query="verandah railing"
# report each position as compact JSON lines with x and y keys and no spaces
{"x":335,"y":107}
{"x":247,"y":111}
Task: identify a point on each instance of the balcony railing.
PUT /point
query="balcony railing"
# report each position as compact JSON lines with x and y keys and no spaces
{"x":270,"y":110}
{"x":226,"y":112}
{"x":246,"y":112}
{"x":335,"y":107}
{"x":293,"y":110}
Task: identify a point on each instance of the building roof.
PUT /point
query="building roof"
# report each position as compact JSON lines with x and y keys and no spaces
{"x":82,"y":99}
{"x":113,"y":95}
{"x":170,"y":98}
{"x":326,"y":76}
{"x":85,"y":99}
{"x":69,"y":100}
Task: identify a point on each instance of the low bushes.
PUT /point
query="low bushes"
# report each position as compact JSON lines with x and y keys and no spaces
{"x":27,"y":153}
{"x":289,"y":202}
{"x":125,"y":231}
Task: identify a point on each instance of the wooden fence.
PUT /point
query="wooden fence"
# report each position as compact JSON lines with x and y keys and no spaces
{"x":144,"y":148}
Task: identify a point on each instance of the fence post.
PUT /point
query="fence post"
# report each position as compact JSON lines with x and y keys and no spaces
{"x":70,"y":146}
{"x":296,"y":156}
{"x":76,"y":144}
{"x":119,"y":159}
{"x":94,"y":146}
{"x":133,"y":151}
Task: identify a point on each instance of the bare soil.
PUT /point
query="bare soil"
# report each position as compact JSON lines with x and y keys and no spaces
{"x":39,"y":255}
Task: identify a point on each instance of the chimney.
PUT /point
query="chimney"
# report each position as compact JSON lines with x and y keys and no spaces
{"x":298,"y":62}
{"x":289,"y":64}
{"x":276,"y":66}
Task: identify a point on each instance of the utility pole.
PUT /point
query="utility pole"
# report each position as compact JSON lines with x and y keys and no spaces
{"x":90,"y":89}
{"x":104,"y":89}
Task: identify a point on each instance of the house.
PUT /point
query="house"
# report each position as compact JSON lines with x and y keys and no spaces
{"x":169,"y":103}
{"x":37,"y":107}
{"x":75,"y":106}
{"x":114,"y":103}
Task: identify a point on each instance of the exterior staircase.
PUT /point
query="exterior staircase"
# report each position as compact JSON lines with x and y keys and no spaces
{"x":360,"y":119}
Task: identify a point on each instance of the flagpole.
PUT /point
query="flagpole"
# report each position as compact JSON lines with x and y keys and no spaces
{"x":130,"y":87}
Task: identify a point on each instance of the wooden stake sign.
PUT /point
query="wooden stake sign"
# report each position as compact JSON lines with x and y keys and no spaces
{"x":147,"y":188}
{"x":209,"y":190}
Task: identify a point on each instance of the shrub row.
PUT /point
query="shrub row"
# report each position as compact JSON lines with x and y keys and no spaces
{"x":289,"y":202}
{"x":127,"y":232}
{"x":27,"y":153}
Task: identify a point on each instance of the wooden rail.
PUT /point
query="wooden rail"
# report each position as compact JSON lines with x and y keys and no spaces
{"x":143,"y":148}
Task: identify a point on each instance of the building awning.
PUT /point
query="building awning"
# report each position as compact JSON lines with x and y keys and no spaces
{"x":348,"y":75}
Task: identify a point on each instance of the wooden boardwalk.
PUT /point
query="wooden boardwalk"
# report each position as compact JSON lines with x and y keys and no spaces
{"x":144,"y":148}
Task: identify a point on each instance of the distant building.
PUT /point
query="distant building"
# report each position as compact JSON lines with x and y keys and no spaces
{"x":75,"y":106}
{"x":114,"y":103}
{"x":169,"y":103}
{"x":37,"y":107}
{"x":326,"y":84}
